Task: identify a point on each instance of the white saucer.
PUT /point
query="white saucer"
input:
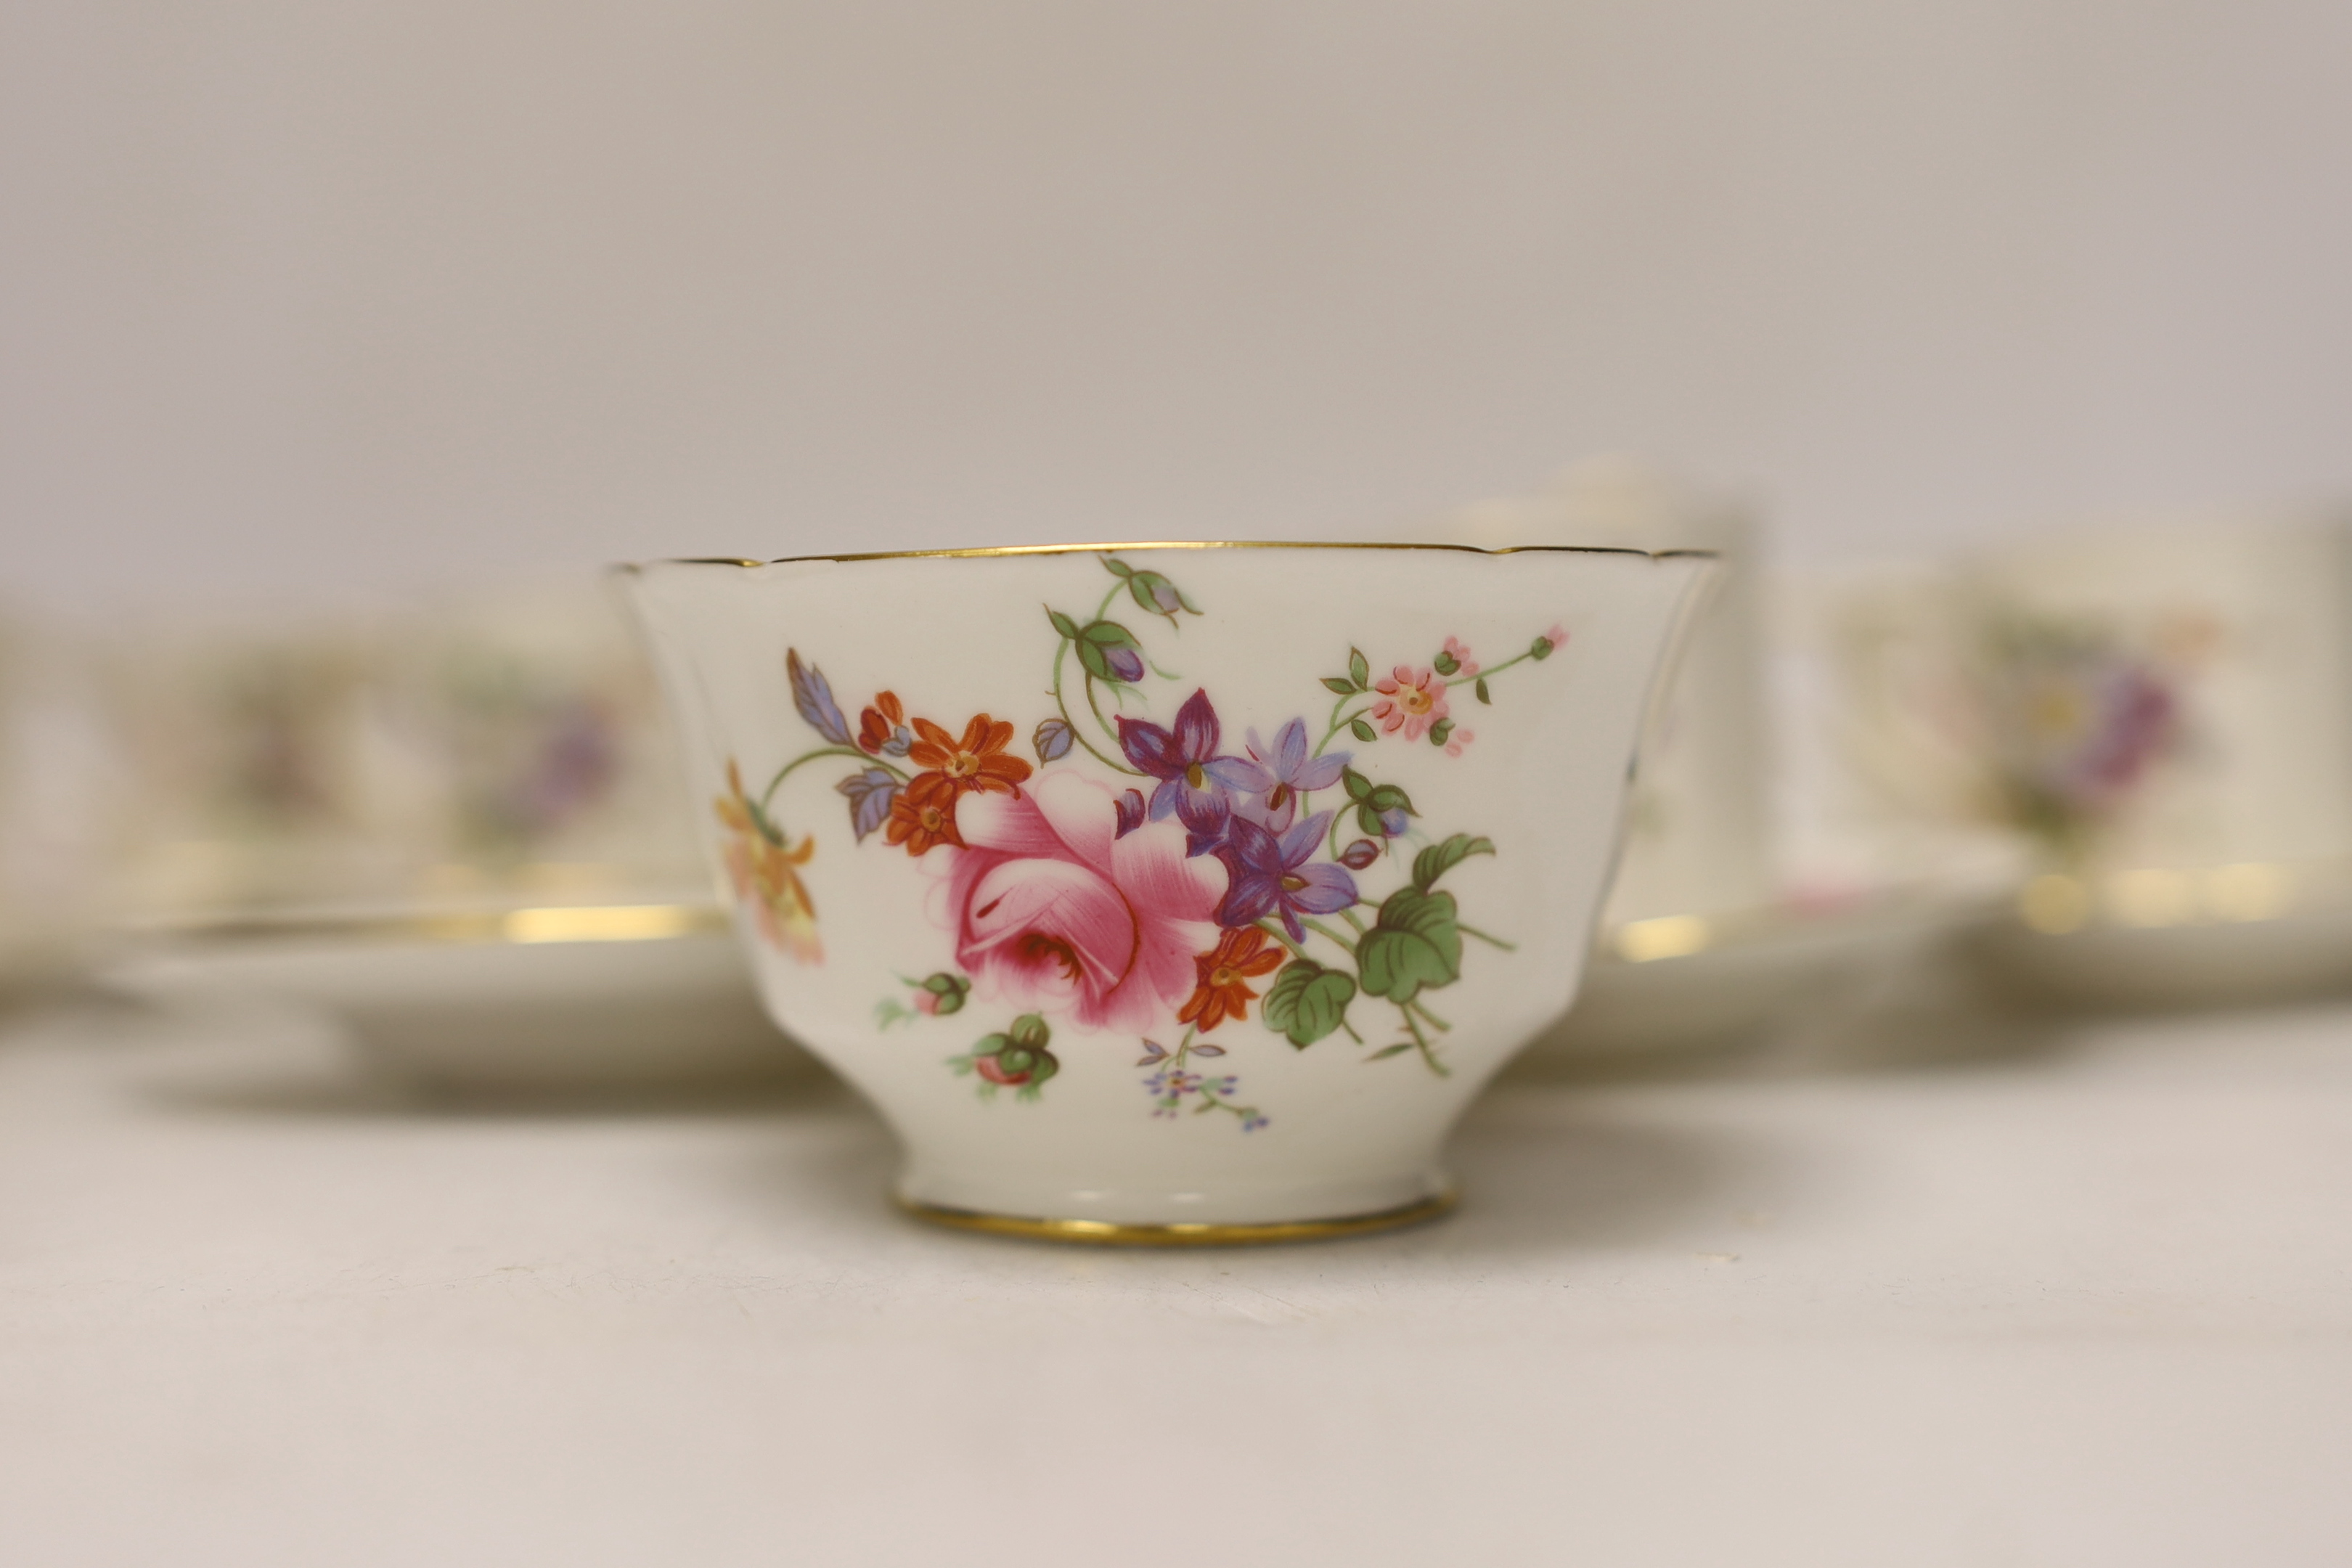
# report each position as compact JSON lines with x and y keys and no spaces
{"x":1688,"y":983}
{"x":2230,"y":934}
{"x":526,"y":1000}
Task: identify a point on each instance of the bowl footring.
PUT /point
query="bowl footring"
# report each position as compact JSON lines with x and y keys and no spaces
{"x":1111,"y":1233}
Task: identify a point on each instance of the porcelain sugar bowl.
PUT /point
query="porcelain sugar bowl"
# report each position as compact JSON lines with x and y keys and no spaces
{"x":1165,"y":893}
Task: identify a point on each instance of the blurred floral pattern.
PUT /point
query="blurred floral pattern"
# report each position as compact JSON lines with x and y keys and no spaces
{"x":2076,"y":720}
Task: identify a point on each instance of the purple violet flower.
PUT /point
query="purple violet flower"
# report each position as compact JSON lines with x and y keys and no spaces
{"x":1180,"y":759}
{"x":1276,"y":775}
{"x":1271,"y":876}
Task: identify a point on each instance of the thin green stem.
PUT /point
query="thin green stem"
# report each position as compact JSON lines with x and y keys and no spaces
{"x":1340,"y":721}
{"x":785,"y":772}
{"x":1094,"y":704}
{"x":1428,"y":1055}
{"x":1489,"y":940}
{"x":1321,"y":930}
{"x":1281,"y":936}
{"x":1440,"y":1024}
{"x":1076,"y":733}
{"x":1349,"y":916}
{"x":1485,"y":670}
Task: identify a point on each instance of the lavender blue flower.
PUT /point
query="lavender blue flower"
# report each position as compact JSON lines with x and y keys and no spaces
{"x":1271,"y":875}
{"x":1273,"y":776}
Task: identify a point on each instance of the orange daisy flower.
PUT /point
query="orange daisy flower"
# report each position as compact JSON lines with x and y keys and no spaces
{"x":974,"y":763}
{"x":1240,"y":955}
{"x":922,"y":818}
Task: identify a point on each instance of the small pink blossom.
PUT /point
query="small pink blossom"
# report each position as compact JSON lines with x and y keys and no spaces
{"x":1556,"y":637}
{"x":1410,"y":699}
{"x":927,"y":1003}
{"x":1460,"y":655}
{"x":1456,"y":740}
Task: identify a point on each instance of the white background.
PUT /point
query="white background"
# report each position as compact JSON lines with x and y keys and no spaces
{"x":348,"y":297}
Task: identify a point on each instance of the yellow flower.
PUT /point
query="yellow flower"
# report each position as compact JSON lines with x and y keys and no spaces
{"x":761,"y":869}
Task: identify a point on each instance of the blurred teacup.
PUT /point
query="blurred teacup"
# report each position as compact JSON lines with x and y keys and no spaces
{"x":2158,"y":724}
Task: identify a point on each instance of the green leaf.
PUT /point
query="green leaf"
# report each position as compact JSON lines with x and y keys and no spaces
{"x":1116,"y":567}
{"x":1445,"y":664}
{"x":1539,"y":650}
{"x":1414,"y":947}
{"x":1340,"y":684}
{"x":1439,"y":730}
{"x":1360,"y":670}
{"x":1363,"y":732}
{"x":1481,"y":689}
{"x":1398,"y":1049}
{"x":1357,"y":786}
{"x":1389,"y":797}
{"x":1439,"y":859}
{"x":1308,"y":1001}
{"x":1062,"y":623}
{"x":1030,"y":1032}
{"x":1369,"y":821}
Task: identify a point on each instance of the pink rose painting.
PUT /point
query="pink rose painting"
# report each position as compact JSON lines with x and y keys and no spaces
{"x":1054,"y":911}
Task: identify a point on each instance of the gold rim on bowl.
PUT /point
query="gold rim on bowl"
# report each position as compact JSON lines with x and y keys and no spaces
{"x":1111,"y":1233}
{"x":991,"y":549}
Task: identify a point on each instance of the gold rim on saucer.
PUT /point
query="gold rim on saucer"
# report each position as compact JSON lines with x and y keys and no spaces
{"x":542,"y":923}
{"x":1110,"y":1233}
{"x":988,"y":550}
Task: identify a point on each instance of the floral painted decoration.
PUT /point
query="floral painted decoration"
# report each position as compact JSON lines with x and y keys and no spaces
{"x":1145,"y":877}
{"x":761,"y":868}
{"x":2076,"y":720}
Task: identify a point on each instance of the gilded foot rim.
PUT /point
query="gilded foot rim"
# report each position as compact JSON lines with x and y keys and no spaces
{"x":1110,"y":1233}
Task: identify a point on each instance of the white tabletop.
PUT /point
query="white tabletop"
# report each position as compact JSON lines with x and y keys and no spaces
{"x":2091,"y":1303}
